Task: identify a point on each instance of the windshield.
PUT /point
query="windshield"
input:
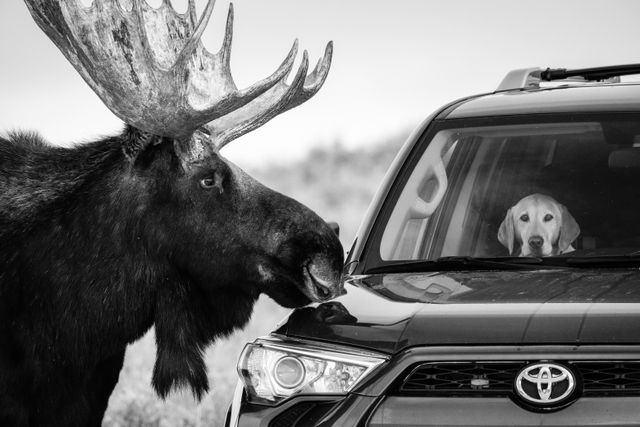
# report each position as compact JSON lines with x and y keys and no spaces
{"x":541,"y":189}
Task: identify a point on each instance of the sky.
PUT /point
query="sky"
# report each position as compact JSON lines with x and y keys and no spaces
{"x":395,"y":62}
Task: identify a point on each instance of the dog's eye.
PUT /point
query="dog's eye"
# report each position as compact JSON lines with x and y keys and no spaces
{"x":547,"y":218}
{"x":524,"y":218}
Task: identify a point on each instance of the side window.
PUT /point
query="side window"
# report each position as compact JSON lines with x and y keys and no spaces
{"x":421,"y":196}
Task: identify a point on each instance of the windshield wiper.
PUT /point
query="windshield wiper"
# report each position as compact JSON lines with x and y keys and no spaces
{"x":454,"y":263}
{"x":496,"y":260}
{"x":625,"y":260}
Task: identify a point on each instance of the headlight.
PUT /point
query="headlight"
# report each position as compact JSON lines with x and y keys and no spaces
{"x":273,"y":370}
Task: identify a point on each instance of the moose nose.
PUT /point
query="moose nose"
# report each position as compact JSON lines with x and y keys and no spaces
{"x":324,"y":290}
{"x":322,"y":283}
{"x":536,"y":241}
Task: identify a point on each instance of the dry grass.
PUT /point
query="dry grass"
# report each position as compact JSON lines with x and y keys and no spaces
{"x":338,"y":185}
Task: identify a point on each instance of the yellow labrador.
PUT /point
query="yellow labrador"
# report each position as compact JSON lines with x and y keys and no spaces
{"x":539,"y":226}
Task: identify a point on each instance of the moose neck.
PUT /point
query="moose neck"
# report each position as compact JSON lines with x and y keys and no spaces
{"x":80,"y":230}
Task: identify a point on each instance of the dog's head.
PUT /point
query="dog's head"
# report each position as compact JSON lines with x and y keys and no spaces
{"x":539,"y":226}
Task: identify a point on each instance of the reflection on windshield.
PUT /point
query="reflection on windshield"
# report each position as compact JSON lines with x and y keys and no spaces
{"x":543,"y":286}
{"x":534,"y":190}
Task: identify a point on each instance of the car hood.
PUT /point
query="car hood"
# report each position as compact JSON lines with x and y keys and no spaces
{"x":389,"y":312}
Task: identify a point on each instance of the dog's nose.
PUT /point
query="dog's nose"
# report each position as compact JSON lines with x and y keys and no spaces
{"x":536,"y":241}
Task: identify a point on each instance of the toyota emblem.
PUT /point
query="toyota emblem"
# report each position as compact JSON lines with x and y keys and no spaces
{"x":545,"y":384}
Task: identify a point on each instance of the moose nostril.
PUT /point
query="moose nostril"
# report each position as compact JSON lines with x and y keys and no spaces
{"x":323,"y":291}
{"x":536,"y":241}
{"x":324,"y":279}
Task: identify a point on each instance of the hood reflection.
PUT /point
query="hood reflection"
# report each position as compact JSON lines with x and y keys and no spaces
{"x":390,"y":312}
{"x":417,"y":288}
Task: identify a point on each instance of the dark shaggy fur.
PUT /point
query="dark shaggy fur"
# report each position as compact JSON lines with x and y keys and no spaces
{"x":97,"y":246}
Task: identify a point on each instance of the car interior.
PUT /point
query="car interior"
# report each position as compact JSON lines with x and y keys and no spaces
{"x":460,"y":190}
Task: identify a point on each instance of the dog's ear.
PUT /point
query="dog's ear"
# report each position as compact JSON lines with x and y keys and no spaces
{"x":506,"y":234}
{"x":569,"y":230}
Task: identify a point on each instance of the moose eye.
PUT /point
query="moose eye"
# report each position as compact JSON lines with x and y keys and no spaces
{"x":210,"y":182}
{"x":547,"y":218}
{"x":524,"y":218}
{"x":207,"y":182}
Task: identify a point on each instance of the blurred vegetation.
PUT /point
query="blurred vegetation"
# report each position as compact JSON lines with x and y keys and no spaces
{"x":338,"y":184}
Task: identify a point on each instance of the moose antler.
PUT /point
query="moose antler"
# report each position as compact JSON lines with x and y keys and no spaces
{"x":150,"y":68}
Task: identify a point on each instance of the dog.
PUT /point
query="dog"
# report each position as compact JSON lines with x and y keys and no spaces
{"x":538,"y":226}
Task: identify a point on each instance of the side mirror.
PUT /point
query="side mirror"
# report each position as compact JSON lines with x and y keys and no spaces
{"x":335,"y":227}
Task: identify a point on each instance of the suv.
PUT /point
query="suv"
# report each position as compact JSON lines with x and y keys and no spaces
{"x":495,"y":279}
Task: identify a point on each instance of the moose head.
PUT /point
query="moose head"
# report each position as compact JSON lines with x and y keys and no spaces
{"x":152,"y":227}
{"x":220,"y":226}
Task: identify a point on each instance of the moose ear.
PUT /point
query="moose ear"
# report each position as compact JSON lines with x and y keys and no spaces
{"x":136,"y":142}
{"x":569,"y":230}
{"x":506,"y":233}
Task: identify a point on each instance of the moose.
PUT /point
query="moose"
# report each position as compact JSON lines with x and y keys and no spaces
{"x":152,"y":227}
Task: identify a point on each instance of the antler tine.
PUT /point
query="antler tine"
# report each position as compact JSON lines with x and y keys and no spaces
{"x":315,"y":80}
{"x":242,"y":97}
{"x":193,"y":18}
{"x":144,"y":39}
{"x":191,"y":45}
{"x":279,"y":75}
{"x":276,"y":101}
{"x":238,"y":98}
{"x":225,"y":50}
{"x":260,"y":111}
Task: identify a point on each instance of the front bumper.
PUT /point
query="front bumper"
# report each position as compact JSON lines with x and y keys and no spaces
{"x":419,"y":411}
{"x":373,"y":404}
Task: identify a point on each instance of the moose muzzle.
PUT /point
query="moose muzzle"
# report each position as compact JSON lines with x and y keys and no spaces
{"x":321,"y":280}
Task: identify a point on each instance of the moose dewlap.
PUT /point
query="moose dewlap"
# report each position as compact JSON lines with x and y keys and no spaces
{"x":152,"y":227}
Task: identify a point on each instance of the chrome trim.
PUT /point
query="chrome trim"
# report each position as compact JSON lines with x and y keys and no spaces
{"x":278,"y":339}
{"x":236,"y":403}
{"x":311,"y":348}
{"x":545,"y":381}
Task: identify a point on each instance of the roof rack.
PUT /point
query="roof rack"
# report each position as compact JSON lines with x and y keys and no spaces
{"x":530,"y":78}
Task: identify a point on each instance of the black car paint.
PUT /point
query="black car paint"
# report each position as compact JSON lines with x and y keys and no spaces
{"x":392,"y":312}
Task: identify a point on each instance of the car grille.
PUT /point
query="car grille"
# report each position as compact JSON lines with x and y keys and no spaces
{"x":496,"y":378}
{"x":610,"y":378}
{"x":302,"y":414}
